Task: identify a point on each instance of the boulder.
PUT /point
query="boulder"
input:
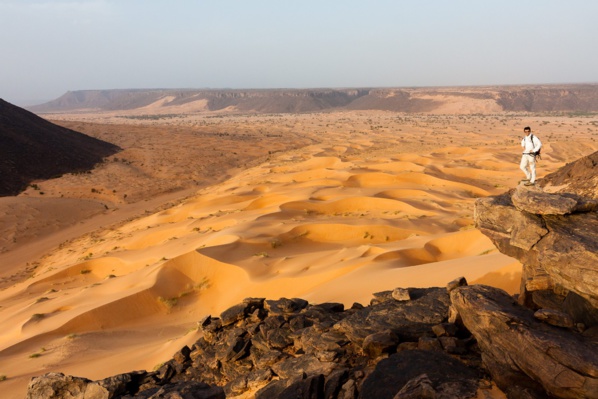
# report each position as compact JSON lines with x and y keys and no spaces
{"x":407,"y":319}
{"x":308,"y":388}
{"x":182,"y":355}
{"x":401,"y":294}
{"x":513,"y":232}
{"x":308,"y":364}
{"x":580,"y":310}
{"x":431,"y":371}
{"x":333,"y":307}
{"x":334,"y":383}
{"x":458,"y":282}
{"x":348,"y":390}
{"x":210,"y":327}
{"x":311,"y":340}
{"x":554,"y":317}
{"x":120,"y":384}
{"x":285,"y":305}
{"x":234,"y":314}
{"x":420,"y":387}
{"x":569,"y":253}
{"x":376,"y":344}
{"x":524,"y":354}
{"x":272,"y":390}
{"x":182,"y":390}
{"x":533,"y":200}
{"x":59,"y":386}
{"x":444,"y":330}
{"x":429,"y":344}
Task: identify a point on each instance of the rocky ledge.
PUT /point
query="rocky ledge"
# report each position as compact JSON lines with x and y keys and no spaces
{"x":455,"y":342}
{"x":554,"y":235}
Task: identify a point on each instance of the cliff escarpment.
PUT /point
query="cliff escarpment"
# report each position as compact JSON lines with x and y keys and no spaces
{"x":545,"y":98}
{"x":580,"y":98}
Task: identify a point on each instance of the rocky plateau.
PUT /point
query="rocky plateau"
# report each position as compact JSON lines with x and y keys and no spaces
{"x":526,"y":98}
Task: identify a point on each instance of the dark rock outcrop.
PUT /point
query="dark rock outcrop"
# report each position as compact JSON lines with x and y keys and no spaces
{"x":288,"y":348}
{"x":32,"y":148}
{"x":324,"y":351}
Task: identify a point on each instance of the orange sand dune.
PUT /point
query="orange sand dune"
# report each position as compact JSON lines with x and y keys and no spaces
{"x":354,"y":204}
{"x":397,"y":167}
{"x":355,"y":212}
{"x":456,"y":245}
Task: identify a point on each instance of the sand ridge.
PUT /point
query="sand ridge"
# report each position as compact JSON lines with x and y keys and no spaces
{"x":335,"y":220}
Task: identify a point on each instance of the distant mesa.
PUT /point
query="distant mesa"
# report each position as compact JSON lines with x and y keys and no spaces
{"x":32,"y":148}
{"x":536,"y":98}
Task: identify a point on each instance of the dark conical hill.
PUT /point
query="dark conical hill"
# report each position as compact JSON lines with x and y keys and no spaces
{"x":32,"y":148}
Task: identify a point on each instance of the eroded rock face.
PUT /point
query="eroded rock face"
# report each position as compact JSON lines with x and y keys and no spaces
{"x":553,"y":234}
{"x":524,"y":355}
{"x":569,"y":253}
{"x":553,"y":231}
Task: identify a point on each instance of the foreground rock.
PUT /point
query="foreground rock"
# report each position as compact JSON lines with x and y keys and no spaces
{"x":523,"y":354}
{"x":289,"y":349}
{"x":396,"y":349}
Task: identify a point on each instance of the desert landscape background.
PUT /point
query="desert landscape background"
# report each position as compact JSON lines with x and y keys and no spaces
{"x":215,"y":199}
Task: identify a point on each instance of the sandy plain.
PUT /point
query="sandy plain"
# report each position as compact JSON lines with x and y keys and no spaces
{"x":109,"y":272}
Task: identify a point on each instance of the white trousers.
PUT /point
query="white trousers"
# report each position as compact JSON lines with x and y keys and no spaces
{"x":529,"y":162}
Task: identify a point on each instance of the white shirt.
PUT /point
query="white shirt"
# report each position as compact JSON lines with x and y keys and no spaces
{"x":529,"y":146}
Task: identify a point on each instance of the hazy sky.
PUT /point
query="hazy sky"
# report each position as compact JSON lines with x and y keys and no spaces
{"x":49,"y":47}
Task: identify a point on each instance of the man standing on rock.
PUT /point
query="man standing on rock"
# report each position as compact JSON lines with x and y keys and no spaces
{"x":531,"y":148}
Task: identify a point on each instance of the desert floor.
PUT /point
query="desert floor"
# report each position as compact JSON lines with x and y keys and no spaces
{"x":110,"y":271}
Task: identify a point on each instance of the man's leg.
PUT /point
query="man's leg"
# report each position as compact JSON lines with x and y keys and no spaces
{"x":523,"y":166}
{"x":532,"y":167}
